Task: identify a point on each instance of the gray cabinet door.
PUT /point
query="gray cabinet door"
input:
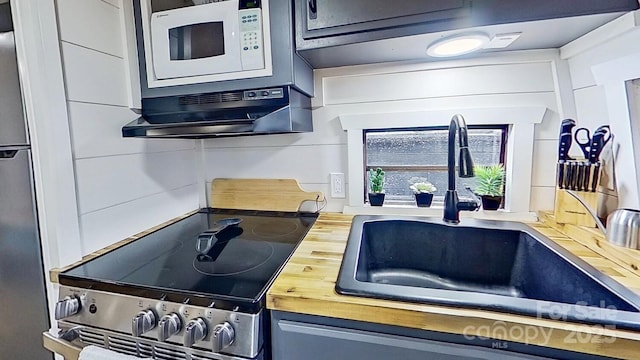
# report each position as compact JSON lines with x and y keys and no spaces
{"x":324,"y":18}
{"x":294,"y":340}
{"x":326,"y":23}
{"x":324,"y":14}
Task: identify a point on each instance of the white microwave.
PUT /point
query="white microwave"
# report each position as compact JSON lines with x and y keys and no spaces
{"x":206,"y":41}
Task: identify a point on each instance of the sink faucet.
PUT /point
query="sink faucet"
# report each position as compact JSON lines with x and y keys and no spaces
{"x":453,"y":206}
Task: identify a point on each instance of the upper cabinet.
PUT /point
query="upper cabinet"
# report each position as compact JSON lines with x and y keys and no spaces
{"x":335,"y":22}
{"x":334,"y":25}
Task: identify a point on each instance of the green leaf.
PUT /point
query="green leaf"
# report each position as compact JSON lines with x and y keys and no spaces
{"x":490,"y":180}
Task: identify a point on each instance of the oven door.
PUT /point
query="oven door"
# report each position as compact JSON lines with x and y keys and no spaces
{"x":196,"y":40}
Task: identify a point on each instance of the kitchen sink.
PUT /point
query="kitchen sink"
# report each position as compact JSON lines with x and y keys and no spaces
{"x":480,"y":264}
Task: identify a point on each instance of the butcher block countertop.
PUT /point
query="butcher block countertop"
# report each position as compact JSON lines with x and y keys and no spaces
{"x":306,"y":286}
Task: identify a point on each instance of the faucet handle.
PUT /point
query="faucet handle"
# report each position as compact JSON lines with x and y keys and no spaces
{"x":473,"y":195}
{"x":468,"y":205}
{"x":472,"y":205}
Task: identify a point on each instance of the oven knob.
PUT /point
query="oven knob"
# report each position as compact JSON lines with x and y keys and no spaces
{"x":69,"y":305}
{"x":223,"y":336}
{"x":144,"y":321}
{"x":195,"y":330}
{"x":168,"y":326}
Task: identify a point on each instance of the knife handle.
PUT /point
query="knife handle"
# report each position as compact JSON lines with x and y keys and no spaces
{"x":565,"y":138}
{"x":564,"y":146}
{"x":597,"y":142}
{"x":567,"y":126}
{"x":569,"y":177}
{"x":587,"y":176}
{"x":560,"y":182}
{"x":574,"y":176}
{"x":596,"y":177}
{"x":580,"y":176}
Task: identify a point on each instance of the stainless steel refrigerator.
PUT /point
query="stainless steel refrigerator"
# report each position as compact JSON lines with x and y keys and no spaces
{"x":23,"y":304}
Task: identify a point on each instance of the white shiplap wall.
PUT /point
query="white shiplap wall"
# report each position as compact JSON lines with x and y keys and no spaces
{"x":123,"y":185}
{"x":535,"y":78}
{"x":617,"y":40}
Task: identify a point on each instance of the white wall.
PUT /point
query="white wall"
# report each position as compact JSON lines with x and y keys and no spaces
{"x":593,"y":61}
{"x":502,"y":80}
{"x":123,"y":185}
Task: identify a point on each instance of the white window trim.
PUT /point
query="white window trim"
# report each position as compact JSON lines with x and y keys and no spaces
{"x":519,"y":161}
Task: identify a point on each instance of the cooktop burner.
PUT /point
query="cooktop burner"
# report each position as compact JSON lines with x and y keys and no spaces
{"x":235,"y":272}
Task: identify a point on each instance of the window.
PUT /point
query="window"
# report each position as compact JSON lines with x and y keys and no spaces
{"x":422,"y":152}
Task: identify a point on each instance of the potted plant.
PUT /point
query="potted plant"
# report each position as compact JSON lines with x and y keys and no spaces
{"x":490,"y":185}
{"x":376,"y":187}
{"x":422,"y":190}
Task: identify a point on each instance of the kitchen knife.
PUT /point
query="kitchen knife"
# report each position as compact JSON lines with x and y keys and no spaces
{"x":564,"y":145}
{"x":561,"y":173}
{"x":570,"y":176}
{"x":563,"y":150}
{"x":580,"y":175}
{"x":595,"y":178}
{"x":576,"y":175}
{"x":587,"y":176}
{"x":599,"y":139}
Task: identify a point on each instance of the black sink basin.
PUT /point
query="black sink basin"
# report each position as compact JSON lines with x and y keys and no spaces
{"x":479,"y":264}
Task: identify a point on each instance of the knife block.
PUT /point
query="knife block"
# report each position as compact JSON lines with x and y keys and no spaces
{"x":568,"y":210}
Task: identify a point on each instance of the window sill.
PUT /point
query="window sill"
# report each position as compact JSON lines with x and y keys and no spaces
{"x":521,"y":119}
{"x":436,"y":211}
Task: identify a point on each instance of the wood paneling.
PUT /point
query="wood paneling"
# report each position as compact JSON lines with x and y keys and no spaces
{"x":111,"y":180}
{"x":134,"y":183}
{"x":96,"y":132}
{"x":134,"y":215}
{"x":458,"y":81}
{"x":307,"y":164}
{"x":545,"y":154}
{"x":93,"y":24}
{"x":94,"y":77}
{"x":581,"y":64}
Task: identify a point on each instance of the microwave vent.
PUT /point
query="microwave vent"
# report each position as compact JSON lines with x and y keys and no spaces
{"x":210,"y":98}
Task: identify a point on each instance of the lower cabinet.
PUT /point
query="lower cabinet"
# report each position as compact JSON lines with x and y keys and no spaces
{"x":296,"y":336}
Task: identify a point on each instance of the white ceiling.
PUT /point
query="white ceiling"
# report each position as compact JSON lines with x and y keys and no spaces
{"x":544,"y":34}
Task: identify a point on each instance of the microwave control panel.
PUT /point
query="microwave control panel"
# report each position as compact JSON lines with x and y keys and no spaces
{"x":251,"y":45}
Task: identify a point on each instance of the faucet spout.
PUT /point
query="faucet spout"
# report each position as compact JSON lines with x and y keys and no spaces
{"x":452,"y":205}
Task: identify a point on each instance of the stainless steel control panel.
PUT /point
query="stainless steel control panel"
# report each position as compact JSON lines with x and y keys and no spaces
{"x":202,"y":328}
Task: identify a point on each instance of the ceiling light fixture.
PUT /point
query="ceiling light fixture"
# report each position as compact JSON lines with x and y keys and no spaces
{"x":459,"y":44}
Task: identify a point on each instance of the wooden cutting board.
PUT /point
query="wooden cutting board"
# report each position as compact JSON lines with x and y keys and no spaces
{"x":260,"y":194}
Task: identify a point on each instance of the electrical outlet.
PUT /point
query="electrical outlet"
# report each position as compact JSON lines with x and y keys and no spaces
{"x":337,"y":185}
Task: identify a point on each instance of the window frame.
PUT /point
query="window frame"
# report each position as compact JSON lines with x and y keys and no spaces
{"x":520,"y":119}
{"x":502,"y":156}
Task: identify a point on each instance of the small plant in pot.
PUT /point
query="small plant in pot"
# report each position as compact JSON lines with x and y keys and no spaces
{"x":422,"y":190}
{"x":490,"y":185}
{"x":376,"y":187}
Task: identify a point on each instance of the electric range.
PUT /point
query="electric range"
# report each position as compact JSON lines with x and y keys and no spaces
{"x":191,"y":290}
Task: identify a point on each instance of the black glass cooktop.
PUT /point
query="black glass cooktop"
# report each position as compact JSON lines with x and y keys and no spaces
{"x":236,"y":272}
